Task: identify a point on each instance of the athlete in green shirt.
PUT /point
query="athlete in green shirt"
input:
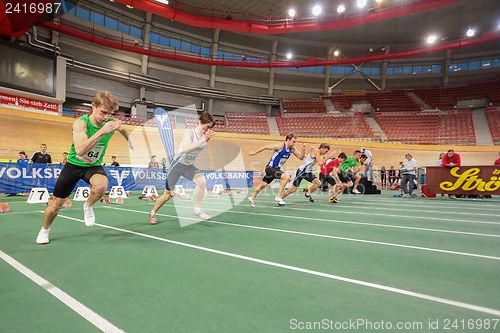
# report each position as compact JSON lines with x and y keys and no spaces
{"x":91,"y":135}
{"x":350,"y":169}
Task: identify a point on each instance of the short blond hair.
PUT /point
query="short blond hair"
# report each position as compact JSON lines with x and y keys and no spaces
{"x":106,"y":99}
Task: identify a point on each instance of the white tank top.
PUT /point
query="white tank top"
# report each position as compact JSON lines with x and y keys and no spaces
{"x":308,"y":164}
{"x":189,"y":158}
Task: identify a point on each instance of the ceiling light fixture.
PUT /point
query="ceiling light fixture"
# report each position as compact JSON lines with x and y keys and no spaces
{"x":316,"y":10}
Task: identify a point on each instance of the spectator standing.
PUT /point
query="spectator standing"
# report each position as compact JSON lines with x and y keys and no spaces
{"x":153,"y":163}
{"x":42,"y":156}
{"x":383,"y":177}
{"x":408,"y":173}
{"x":440,"y":159}
{"x":451,"y":159}
{"x":23,"y":160}
{"x":114,"y":162}
{"x":65,"y":158}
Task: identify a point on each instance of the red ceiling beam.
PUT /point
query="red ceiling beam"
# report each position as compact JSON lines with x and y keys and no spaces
{"x":288,"y":27}
{"x":130,"y":47}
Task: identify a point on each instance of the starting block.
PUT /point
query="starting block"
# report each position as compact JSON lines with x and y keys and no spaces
{"x":107,"y":201}
{"x":4,"y":207}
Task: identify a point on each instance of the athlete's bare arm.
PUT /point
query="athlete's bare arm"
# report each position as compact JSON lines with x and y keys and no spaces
{"x":335,"y":175}
{"x":302,"y":153}
{"x":124,"y":133}
{"x":82,"y":143}
{"x":272,"y":146}
{"x":187,"y":141}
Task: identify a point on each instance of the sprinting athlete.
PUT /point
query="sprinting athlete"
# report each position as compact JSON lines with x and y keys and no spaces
{"x":91,"y":135}
{"x":193,"y":142}
{"x":350,"y":169}
{"x":332,"y":168}
{"x":316,"y":155}
{"x":273,"y":169}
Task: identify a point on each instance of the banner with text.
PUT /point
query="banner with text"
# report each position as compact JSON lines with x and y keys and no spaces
{"x":16,"y":178}
{"x":468,"y":180}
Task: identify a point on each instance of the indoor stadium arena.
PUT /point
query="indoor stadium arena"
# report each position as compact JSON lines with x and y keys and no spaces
{"x":249,"y":166}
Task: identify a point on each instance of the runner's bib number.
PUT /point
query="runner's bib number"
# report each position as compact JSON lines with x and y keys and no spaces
{"x":92,"y":156}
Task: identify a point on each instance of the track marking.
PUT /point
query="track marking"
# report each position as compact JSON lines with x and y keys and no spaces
{"x":19,"y":213}
{"x":378,"y":214}
{"x":404,"y":292}
{"x":91,"y":316}
{"x":323,"y":235}
{"x":395,"y":226}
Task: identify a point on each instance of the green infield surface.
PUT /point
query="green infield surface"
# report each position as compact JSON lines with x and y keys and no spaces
{"x":369,"y":263}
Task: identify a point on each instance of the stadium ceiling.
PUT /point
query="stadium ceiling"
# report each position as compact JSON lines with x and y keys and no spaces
{"x":449,"y":19}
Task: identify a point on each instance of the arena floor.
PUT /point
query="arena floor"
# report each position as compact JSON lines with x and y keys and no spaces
{"x":268,"y":269}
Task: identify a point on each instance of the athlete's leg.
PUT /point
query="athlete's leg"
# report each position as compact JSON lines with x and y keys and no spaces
{"x":51,"y":211}
{"x":199,"y":191}
{"x":291,"y":190}
{"x":284,"y":180}
{"x":98,"y":186}
{"x":62,"y":189}
{"x":262,"y":185}
{"x":314,"y":186}
{"x":162,"y":200}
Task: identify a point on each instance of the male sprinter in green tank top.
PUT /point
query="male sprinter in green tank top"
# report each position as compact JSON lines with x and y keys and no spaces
{"x":91,"y":135}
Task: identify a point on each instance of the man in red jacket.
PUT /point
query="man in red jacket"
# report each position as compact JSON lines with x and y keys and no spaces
{"x":451,"y":159}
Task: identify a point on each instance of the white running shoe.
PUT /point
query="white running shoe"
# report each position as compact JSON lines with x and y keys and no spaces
{"x":43,"y":236}
{"x":251,"y":202}
{"x":279,"y":201}
{"x":201,"y":214}
{"x":355,"y":191}
{"x":88,"y":215}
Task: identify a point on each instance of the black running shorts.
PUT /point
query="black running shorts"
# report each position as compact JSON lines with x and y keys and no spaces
{"x":71,"y":174}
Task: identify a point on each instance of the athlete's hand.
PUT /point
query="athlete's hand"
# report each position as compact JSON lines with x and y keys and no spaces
{"x":111,"y":126}
{"x":208,"y":135}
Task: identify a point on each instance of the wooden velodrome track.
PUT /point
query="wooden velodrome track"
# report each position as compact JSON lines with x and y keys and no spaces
{"x":25,"y":131}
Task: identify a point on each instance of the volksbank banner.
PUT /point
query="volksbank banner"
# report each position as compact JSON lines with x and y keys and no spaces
{"x":16,"y":178}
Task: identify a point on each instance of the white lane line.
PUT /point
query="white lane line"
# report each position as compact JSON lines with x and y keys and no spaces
{"x":357,"y":205}
{"x":322,"y":235}
{"x":357,"y":212}
{"x":19,"y":213}
{"x":95,"y":319}
{"x":426,"y":203}
{"x":492,"y":205}
{"x":395,"y":226}
{"x":409,"y":293}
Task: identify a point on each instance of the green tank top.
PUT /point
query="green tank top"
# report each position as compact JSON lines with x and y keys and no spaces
{"x":95,"y":155}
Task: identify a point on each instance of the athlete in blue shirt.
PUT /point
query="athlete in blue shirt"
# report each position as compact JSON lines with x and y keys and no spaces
{"x":273,"y":168}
